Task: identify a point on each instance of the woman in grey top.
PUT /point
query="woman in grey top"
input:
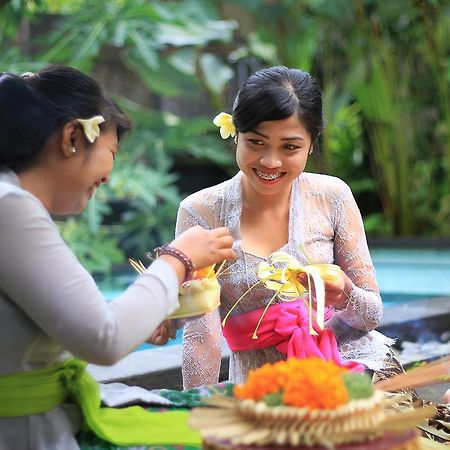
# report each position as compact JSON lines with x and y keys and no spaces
{"x":59,"y":135}
{"x":273,"y":205}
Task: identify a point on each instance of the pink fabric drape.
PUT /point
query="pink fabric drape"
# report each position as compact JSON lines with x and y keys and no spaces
{"x":285,"y":326}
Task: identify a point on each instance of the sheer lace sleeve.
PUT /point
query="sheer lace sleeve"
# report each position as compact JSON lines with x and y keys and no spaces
{"x":201,"y":347}
{"x":364,"y":308}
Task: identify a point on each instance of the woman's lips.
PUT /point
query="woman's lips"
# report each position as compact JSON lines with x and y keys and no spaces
{"x":268,"y":177}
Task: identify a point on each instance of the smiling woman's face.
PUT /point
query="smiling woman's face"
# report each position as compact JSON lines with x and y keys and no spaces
{"x":273,"y":154}
{"x":85,"y":172}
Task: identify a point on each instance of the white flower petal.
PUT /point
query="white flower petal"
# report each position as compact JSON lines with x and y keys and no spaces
{"x":218,"y":120}
{"x":226,"y":124}
{"x":224,"y":133}
{"x":91,"y":127}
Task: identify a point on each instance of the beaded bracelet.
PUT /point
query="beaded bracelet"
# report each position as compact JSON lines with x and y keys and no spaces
{"x":172,"y":251}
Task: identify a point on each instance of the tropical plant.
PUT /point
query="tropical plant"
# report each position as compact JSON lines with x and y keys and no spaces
{"x":388,"y":62}
{"x":384,"y":68}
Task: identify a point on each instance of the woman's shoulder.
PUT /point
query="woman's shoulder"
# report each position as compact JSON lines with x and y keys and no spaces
{"x":10,"y":186}
{"x":317,"y":183}
{"x":212,"y":195}
{"x":12,"y":196}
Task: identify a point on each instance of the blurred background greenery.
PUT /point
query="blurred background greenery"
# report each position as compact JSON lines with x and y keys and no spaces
{"x":383,"y":66}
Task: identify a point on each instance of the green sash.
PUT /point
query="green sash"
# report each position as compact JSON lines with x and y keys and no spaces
{"x":41,"y":390}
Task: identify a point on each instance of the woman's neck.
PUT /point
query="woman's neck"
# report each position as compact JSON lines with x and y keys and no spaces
{"x":254,"y":200}
{"x":36,"y":181}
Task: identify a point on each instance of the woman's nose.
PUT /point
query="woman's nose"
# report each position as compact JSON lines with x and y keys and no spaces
{"x":270,"y":160}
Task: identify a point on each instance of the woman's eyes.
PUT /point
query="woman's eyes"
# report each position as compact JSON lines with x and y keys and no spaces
{"x":256,"y":141}
{"x":289,"y":147}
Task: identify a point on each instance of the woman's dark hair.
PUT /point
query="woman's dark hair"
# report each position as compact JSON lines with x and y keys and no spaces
{"x":34,"y":106}
{"x":277,"y":93}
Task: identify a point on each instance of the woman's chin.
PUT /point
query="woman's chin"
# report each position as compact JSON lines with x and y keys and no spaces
{"x":79,"y":207}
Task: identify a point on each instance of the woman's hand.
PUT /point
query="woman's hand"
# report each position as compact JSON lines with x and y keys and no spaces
{"x":166,"y":330}
{"x":337,"y":290}
{"x":205,"y":247}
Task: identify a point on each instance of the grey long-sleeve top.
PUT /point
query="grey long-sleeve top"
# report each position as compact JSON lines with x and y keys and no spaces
{"x":50,"y":307}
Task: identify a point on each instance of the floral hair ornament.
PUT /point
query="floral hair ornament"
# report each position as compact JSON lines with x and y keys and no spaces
{"x":226,"y":124}
{"x":91,"y":127}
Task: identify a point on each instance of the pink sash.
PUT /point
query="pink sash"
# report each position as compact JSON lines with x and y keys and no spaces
{"x":285,"y":326}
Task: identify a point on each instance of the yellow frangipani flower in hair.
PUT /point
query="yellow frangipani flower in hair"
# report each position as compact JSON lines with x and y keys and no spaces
{"x":226,"y":124}
{"x":91,"y":127}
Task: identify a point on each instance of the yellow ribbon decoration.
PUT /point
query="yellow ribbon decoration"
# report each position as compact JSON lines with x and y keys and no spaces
{"x":284,"y":281}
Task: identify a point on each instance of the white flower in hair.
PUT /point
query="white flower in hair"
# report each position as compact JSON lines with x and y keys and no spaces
{"x":226,"y":124}
{"x":91,"y":127}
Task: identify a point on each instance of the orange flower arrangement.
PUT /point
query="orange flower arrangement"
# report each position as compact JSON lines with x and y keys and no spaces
{"x":305,"y":383}
{"x":205,"y":272}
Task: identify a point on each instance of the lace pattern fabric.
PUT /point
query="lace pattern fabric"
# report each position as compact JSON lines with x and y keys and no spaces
{"x":325,"y":221}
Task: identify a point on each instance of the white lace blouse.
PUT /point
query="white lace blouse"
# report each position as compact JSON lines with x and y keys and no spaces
{"x":323,"y":219}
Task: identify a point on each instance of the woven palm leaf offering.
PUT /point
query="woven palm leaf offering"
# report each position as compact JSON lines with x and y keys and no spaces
{"x":280,"y":273}
{"x":198,"y":295}
{"x":313,"y":404}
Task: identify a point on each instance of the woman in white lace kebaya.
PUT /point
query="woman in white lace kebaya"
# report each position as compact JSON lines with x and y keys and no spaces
{"x":58,"y":140}
{"x":273,"y":205}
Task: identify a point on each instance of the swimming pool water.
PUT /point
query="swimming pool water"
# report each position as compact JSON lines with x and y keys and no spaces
{"x":416,"y":272}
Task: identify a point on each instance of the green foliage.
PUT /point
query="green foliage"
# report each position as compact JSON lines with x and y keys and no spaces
{"x":95,"y":250}
{"x":384,"y":69}
{"x":342,"y":143}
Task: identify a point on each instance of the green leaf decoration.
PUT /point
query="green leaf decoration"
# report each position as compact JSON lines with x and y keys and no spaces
{"x":358,"y":385}
{"x":275,"y":399}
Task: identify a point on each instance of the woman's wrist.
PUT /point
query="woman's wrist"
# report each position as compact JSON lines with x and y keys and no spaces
{"x":345,"y":297}
{"x":175,"y":256}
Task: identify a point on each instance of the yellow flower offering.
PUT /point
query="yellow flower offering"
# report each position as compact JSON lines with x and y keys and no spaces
{"x":199,"y":295}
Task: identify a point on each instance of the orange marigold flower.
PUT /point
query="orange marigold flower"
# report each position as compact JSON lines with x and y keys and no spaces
{"x":205,"y":272}
{"x":306,"y":383}
{"x":262,"y":381}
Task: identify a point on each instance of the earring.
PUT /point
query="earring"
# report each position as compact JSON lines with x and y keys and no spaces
{"x":235,"y":140}
{"x":310,"y":151}
{"x":74,"y":150}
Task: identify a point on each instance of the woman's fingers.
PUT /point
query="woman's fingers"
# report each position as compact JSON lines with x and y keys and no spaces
{"x":227,"y":253}
{"x":334,"y":290}
{"x":205,"y":247}
{"x":221,"y":231}
{"x":165,"y":331}
{"x":225,"y":241}
{"x":171,"y":329}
